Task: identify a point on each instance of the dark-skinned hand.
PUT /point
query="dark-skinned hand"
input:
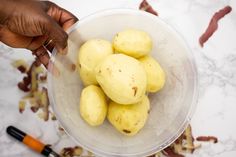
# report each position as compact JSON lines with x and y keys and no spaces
{"x":35,"y":25}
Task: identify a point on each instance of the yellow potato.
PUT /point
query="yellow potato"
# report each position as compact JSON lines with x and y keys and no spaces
{"x":122,"y":78}
{"x":87,"y":76}
{"x":93,"y":105}
{"x":129,"y":119}
{"x":155,"y":74}
{"x":90,"y":54}
{"x":132,"y":42}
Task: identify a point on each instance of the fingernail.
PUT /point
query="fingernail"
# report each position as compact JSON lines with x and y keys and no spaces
{"x":56,"y":72}
{"x":53,"y":70}
{"x":63,"y":51}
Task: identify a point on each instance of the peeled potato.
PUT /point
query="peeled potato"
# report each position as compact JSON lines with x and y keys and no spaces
{"x":90,"y":54}
{"x":122,"y":78}
{"x":155,"y":74}
{"x":87,"y":76}
{"x":93,"y":105}
{"x":129,"y":119}
{"x":132,"y":42}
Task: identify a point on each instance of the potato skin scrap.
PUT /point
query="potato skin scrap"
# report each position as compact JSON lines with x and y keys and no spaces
{"x":145,"y":6}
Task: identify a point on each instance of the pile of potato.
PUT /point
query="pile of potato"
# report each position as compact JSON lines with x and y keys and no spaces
{"x":117,"y":77}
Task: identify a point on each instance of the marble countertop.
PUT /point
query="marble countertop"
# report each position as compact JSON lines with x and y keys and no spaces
{"x":216,"y":63}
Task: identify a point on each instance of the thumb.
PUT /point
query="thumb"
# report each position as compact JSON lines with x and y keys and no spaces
{"x":57,"y":34}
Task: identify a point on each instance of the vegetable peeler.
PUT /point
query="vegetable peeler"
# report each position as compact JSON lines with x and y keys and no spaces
{"x":31,"y":142}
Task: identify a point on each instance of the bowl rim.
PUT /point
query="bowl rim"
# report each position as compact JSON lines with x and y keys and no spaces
{"x":193,"y":64}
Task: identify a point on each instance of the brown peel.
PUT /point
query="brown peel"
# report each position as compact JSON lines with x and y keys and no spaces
{"x":207,"y":139}
{"x":21,"y":65}
{"x":213,"y":25}
{"x":145,"y":6}
{"x":22,"y":105}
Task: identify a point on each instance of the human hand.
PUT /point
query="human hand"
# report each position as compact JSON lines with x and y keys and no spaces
{"x":35,"y":25}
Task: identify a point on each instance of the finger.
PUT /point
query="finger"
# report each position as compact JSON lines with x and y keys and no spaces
{"x":67,"y":19}
{"x":62,"y":16}
{"x":53,"y":69}
{"x":42,"y":56}
{"x":49,"y":45}
{"x":64,"y":60}
{"x":64,"y":19}
{"x":37,"y":62}
{"x":14,"y":40}
{"x":18,"y":41}
{"x":56,"y":33}
{"x":37,"y":42}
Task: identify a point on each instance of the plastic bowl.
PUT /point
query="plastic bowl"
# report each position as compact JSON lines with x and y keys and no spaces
{"x":171,"y":108}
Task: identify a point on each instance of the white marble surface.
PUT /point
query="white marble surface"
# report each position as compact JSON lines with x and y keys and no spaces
{"x":216,"y":62}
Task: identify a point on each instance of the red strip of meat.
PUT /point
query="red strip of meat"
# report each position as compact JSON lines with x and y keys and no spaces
{"x":147,"y":7}
{"x":213,"y":25}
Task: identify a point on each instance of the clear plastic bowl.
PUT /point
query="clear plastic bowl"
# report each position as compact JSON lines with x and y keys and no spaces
{"x":171,"y":108}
